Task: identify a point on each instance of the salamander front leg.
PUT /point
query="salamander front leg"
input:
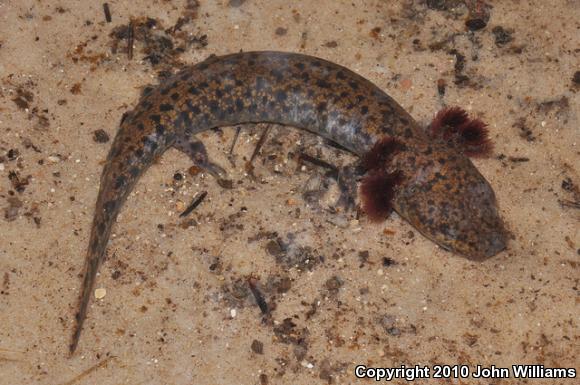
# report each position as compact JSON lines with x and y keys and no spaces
{"x":347,"y":179}
{"x":196,"y":151}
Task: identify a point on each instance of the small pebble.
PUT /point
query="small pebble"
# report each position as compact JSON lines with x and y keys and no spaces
{"x":100,"y":293}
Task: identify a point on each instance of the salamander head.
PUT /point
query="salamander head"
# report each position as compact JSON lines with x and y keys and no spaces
{"x":451,"y":203}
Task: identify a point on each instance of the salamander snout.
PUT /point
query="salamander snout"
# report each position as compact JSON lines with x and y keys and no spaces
{"x":451,"y":203}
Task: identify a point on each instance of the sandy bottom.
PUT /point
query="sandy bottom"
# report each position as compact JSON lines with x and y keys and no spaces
{"x":177,"y":306}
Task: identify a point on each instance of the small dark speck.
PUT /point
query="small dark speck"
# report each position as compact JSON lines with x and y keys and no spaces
{"x":576,"y":78}
{"x":116,"y":274}
{"x":388,"y":262}
{"x":441,"y":85}
{"x":236,"y":3}
{"x":273,"y":248}
{"x":438,"y":5}
{"x":501,"y":35}
{"x":12,"y":154}
{"x":394,"y":331}
{"x":257,"y":347}
{"x":177,"y":176}
{"x":281,"y":31}
{"x":475,"y":24}
{"x":518,"y":159}
{"x":100,"y":136}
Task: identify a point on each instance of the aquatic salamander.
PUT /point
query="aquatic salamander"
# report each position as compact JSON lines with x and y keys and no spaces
{"x":423,"y":174}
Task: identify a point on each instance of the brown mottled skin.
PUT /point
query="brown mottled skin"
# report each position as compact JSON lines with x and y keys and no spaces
{"x":441,"y":194}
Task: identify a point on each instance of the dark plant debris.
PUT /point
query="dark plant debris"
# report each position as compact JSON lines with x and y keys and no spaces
{"x":100,"y":136}
{"x":258,"y":296}
{"x":23,"y":98}
{"x":107,"y":12}
{"x":161,"y":47}
{"x":196,"y":202}
{"x":525,"y":131}
{"x":502,"y":36}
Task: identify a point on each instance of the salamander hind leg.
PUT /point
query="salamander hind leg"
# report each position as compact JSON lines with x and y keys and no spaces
{"x":318,"y":189}
{"x":197,"y":152}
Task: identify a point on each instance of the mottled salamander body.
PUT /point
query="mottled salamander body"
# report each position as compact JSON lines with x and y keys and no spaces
{"x":438,"y":189}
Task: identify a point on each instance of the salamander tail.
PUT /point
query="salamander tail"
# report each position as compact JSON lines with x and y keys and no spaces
{"x":104,"y":217}
{"x":127,"y":161}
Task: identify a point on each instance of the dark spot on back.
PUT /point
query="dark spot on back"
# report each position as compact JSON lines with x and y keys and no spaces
{"x":120,"y":181}
{"x":166,"y":107}
{"x":260,"y":83}
{"x":408,"y":133}
{"x":280,"y":96}
{"x":277,"y":74}
{"x":155,"y":118}
{"x":213,"y":106}
{"x":94,"y":246}
{"x":134,"y":171}
{"x":194,"y":109}
{"x":151,"y":143}
{"x":109,"y":206}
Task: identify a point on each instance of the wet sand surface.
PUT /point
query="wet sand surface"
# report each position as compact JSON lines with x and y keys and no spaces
{"x":177,"y":305}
